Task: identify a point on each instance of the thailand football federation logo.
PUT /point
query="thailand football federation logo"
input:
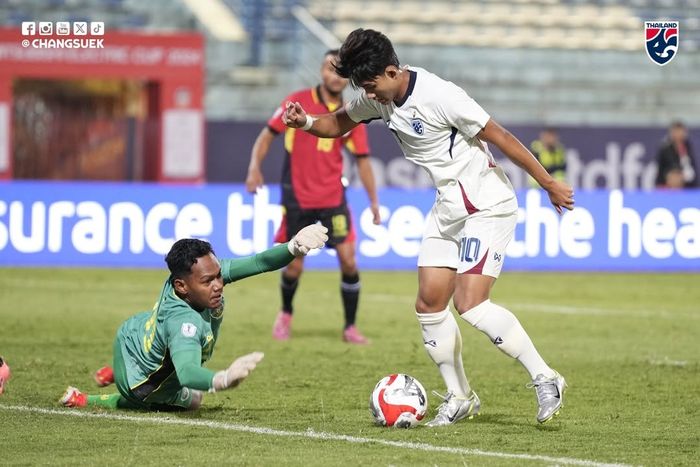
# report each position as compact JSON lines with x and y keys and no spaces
{"x":417,"y":125}
{"x":661,"y":40}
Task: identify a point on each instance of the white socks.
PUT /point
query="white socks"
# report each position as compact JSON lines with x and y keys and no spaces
{"x":443,"y":342}
{"x":504,"y":330}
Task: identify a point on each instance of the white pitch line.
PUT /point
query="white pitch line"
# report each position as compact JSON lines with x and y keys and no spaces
{"x":309,"y":434}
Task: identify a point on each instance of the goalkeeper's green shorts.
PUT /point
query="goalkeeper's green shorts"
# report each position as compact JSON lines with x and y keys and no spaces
{"x":162,"y":399}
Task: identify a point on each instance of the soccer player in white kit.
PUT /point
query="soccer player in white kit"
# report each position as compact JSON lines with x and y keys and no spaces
{"x":442,"y":129}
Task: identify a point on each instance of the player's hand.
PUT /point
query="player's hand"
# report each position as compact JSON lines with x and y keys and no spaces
{"x":237,"y":372}
{"x":310,"y":237}
{"x":376,"y":217}
{"x":254,"y":180}
{"x":561,"y":195}
{"x":294,"y":115}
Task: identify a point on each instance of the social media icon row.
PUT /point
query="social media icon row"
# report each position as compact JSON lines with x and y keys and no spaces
{"x":63,"y":28}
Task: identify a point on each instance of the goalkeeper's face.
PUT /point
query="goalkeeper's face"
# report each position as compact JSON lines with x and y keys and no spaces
{"x":204,"y":286}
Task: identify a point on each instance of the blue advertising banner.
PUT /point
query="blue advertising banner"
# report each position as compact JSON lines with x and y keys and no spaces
{"x":119,"y":224}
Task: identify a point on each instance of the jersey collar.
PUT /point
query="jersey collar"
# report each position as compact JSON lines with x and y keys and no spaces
{"x":409,"y":91}
{"x":318,"y":97}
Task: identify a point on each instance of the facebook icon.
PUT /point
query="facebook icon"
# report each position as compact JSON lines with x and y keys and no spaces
{"x":28,"y":28}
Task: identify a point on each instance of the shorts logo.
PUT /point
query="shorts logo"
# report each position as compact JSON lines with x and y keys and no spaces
{"x":431,"y":343}
{"x":417,"y":125}
{"x":188,"y":330}
{"x":497,"y":257}
{"x":340,"y":225}
{"x":662,"y":39}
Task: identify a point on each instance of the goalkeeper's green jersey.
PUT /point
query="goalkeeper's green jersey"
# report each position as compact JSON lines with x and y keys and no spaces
{"x":157,"y":343}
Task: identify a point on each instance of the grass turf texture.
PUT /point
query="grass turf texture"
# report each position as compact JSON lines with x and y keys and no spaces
{"x":627,"y":344}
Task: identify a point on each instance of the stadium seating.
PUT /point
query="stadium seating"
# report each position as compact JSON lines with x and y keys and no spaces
{"x":550,"y":61}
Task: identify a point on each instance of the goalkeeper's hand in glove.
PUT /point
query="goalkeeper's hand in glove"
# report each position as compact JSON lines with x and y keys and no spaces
{"x":308,"y":238}
{"x":237,"y":372}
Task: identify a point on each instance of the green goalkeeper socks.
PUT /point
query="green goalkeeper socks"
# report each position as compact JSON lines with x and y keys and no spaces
{"x":111,"y":401}
{"x":107,"y":401}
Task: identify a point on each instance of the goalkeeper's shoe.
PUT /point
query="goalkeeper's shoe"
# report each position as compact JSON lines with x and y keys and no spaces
{"x":550,"y":395}
{"x":283,"y":326}
{"x":73,"y":398}
{"x":352,"y":335}
{"x":455,"y":408}
{"x":104,"y":376}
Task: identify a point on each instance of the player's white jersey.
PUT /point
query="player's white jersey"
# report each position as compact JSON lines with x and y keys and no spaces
{"x":436,"y":126}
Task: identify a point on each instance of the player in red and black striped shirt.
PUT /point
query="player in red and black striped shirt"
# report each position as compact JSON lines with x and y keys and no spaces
{"x":312,"y":191}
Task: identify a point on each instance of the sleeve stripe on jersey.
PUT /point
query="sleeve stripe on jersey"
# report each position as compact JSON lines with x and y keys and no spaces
{"x":452,"y":140}
{"x":369,"y":120}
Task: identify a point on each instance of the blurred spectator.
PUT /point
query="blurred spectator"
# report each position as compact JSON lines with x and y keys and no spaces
{"x":551,"y":154}
{"x":676,"y":165}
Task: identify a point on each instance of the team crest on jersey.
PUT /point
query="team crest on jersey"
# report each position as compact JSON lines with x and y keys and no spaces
{"x":662,"y":38}
{"x":417,"y":125}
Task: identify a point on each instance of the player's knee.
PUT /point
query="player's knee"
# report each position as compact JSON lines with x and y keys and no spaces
{"x":197,"y":397}
{"x":464,"y":304}
{"x":349,"y":267}
{"x":429,"y":304}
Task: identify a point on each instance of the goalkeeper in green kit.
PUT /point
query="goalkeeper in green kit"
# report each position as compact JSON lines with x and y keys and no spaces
{"x":158,"y":355}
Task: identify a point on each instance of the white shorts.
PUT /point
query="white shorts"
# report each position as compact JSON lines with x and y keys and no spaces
{"x":478,"y":247}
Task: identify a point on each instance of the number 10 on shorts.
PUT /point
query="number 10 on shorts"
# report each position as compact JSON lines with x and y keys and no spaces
{"x":469,"y":249}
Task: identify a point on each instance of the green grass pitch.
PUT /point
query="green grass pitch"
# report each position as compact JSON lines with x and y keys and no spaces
{"x":628,"y":344}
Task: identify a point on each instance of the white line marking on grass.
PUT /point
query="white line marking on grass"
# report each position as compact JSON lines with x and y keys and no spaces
{"x":667,"y":362}
{"x":163,"y":420}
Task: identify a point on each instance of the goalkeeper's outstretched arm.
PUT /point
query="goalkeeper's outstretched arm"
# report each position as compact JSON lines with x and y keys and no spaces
{"x":308,"y":238}
{"x":192,"y":375}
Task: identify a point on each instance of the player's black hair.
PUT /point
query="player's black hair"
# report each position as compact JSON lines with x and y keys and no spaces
{"x":184,"y":253}
{"x":364,"y":55}
{"x":333,"y":52}
{"x":677,"y":124}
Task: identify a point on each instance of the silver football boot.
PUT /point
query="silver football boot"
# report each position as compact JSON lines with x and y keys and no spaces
{"x":550,"y":395}
{"x":454,"y":408}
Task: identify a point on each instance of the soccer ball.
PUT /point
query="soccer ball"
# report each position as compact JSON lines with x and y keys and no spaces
{"x":398,"y":400}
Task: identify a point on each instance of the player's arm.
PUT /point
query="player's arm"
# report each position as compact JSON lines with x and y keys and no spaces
{"x":188,"y":366}
{"x":364,"y":170}
{"x":186,"y":353}
{"x":560,"y":194}
{"x":254,"y":179}
{"x":331,"y":125}
{"x":310,"y":237}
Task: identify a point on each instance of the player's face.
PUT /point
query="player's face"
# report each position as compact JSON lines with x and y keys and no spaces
{"x":204,"y":286}
{"x":678,"y":134}
{"x":333,"y":83}
{"x":385,"y":87}
{"x":549,"y":138}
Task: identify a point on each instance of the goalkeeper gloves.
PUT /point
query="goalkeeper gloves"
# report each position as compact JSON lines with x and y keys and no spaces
{"x":308,"y":238}
{"x":237,"y":372}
